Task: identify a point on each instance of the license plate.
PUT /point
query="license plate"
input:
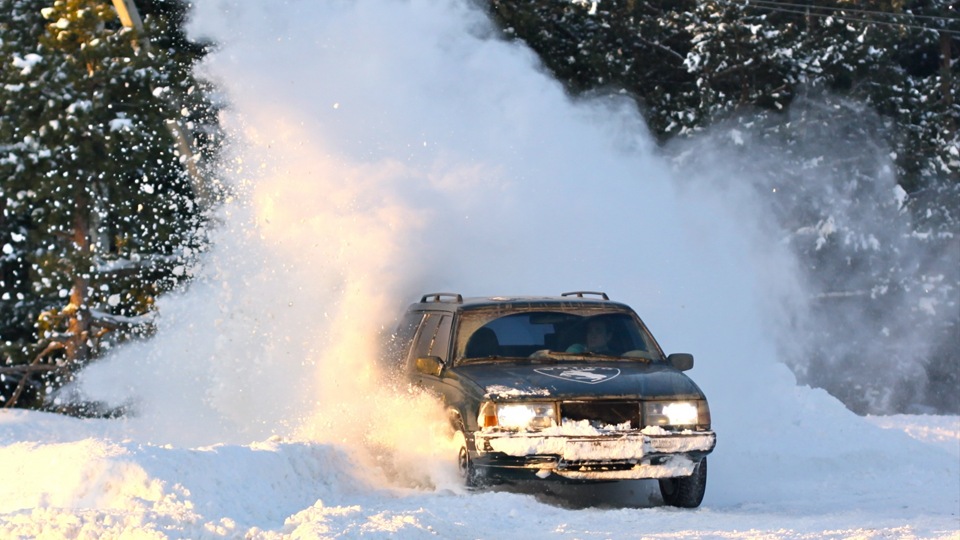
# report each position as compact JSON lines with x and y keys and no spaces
{"x":619,"y":449}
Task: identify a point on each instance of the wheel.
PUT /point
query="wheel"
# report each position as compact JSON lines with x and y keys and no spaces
{"x":467,"y":472}
{"x":685,"y":491}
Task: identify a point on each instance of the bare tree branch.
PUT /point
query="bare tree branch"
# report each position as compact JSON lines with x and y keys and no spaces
{"x":26,"y":369}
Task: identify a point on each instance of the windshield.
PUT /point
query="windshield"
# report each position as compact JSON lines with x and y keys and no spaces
{"x":553,"y":336}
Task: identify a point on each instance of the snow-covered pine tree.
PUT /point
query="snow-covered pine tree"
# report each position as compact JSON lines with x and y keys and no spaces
{"x":613,"y":46}
{"x":99,"y":211}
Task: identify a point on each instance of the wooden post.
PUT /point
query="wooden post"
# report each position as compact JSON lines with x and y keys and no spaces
{"x":130,"y":18}
{"x":129,"y":15}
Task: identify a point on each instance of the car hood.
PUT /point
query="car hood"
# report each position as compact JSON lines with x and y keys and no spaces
{"x":569,"y":380}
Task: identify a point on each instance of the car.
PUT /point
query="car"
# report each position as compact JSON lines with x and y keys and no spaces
{"x":571,"y":387}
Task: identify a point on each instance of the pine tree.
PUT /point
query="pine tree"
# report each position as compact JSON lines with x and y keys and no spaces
{"x":99,"y":209}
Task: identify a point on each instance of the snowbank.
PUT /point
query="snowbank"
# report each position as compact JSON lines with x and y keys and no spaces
{"x":67,"y":478}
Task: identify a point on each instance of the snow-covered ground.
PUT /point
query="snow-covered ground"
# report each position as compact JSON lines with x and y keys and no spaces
{"x":71,"y":478}
{"x":382,"y":150}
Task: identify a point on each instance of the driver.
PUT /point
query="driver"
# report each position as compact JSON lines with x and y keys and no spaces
{"x":598,"y":336}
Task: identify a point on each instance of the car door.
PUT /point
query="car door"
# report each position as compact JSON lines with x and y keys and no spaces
{"x":434,"y":339}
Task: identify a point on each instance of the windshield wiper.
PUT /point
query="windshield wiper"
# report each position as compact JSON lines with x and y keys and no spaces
{"x":563,"y":355}
{"x":483,"y":358}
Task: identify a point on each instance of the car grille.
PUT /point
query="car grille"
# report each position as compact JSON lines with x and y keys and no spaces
{"x":602,"y":413}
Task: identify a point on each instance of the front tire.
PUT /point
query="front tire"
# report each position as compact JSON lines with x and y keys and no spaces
{"x":685,"y":491}
{"x":465,"y":468}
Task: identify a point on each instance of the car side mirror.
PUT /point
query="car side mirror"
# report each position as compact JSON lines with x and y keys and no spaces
{"x":430,"y":365}
{"x":681,"y":361}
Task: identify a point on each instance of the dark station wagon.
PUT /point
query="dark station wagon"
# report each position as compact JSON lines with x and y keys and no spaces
{"x":572,"y":388}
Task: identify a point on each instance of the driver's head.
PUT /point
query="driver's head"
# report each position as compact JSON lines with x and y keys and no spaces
{"x":598,"y":335}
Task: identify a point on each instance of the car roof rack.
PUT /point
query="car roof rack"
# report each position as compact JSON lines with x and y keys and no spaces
{"x":438,"y":297}
{"x":580,"y":294}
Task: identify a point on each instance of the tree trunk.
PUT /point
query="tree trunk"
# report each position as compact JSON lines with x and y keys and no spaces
{"x":78,"y":323}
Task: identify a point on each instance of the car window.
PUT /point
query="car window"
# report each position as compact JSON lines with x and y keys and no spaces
{"x":433,"y":338}
{"x":441,"y":342}
{"x":518,"y":335}
{"x":424,"y":340}
{"x":399,"y":343}
{"x":525,"y":329}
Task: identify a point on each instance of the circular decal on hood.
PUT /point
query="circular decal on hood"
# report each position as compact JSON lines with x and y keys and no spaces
{"x":582,"y":374}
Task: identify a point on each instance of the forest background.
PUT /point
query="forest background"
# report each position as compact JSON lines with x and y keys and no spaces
{"x":109,"y":143}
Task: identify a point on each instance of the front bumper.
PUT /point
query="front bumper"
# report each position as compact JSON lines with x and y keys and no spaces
{"x":620,"y":456}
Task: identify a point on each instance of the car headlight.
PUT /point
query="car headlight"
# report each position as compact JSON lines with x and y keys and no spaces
{"x":676,"y":413}
{"x":521,"y":416}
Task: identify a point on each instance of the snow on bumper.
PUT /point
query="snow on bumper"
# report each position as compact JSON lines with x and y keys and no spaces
{"x":612,"y":457}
